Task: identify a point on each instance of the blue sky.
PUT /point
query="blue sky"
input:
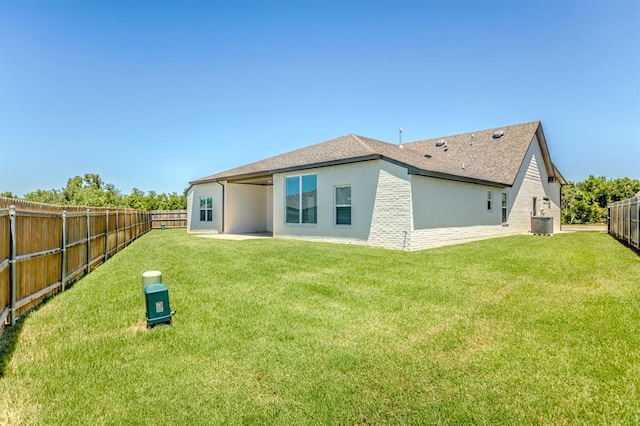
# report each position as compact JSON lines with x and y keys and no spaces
{"x":153,"y":94}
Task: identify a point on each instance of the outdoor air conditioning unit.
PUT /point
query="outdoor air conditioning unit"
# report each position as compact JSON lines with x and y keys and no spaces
{"x":541,"y":225}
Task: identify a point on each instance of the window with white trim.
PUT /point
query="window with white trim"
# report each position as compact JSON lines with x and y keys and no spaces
{"x":206,"y":209}
{"x":301,"y":199}
{"x":504,"y":207}
{"x":489,"y":200}
{"x":342,"y":202}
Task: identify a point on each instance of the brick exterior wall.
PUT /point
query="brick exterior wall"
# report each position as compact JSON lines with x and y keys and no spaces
{"x":392,"y":219}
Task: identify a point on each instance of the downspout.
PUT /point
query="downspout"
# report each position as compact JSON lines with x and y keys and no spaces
{"x":222,"y":228}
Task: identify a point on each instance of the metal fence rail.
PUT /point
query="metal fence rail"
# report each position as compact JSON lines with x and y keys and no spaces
{"x":624,"y":221}
{"x":43,"y":248}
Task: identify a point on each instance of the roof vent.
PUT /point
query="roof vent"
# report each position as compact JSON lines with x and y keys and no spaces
{"x":427,"y":155}
{"x":440,"y":143}
{"x":498,"y":134}
{"x":473,"y":141}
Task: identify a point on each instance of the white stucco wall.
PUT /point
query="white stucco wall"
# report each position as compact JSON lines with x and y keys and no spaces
{"x":448,"y":212}
{"x":439,"y":203}
{"x":361,"y":176}
{"x":380,"y":206}
{"x":246,"y":208}
{"x":193,"y":208}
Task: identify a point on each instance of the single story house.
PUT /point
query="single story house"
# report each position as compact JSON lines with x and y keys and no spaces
{"x":408,"y":196}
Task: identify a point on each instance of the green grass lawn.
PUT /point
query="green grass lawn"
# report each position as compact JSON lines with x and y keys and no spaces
{"x":535,"y":330}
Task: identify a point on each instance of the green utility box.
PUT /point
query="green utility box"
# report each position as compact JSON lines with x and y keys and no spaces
{"x":156,"y":298}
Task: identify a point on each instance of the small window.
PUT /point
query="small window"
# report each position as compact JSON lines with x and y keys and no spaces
{"x":343,"y":205}
{"x":489,"y":200}
{"x":504,"y":207}
{"x":301,"y":199}
{"x":206,"y":209}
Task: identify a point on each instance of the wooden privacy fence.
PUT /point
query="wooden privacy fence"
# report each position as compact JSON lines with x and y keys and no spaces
{"x":161,"y":219}
{"x":624,"y":221}
{"x":43,"y":248}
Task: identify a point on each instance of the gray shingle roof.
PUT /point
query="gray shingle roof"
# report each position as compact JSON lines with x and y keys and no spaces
{"x":474,"y":156}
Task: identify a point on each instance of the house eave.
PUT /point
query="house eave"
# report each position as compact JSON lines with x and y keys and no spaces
{"x":552,"y":170}
{"x":245,"y":176}
{"x":410,"y":170}
{"x":456,"y":178}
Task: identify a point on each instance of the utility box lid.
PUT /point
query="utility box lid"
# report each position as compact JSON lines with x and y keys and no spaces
{"x":155,"y":288}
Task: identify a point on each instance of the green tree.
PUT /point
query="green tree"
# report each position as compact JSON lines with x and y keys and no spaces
{"x":135,"y":200}
{"x":92,"y":191}
{"x":52,"y":196}
{"x":586,"y":202}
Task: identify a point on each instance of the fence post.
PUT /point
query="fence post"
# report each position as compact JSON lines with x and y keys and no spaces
{"x":106,"y":236}
{"x":630,"y":222}
{"x":88,"y":241}
{"x":63,"y":278}
{"x":116,"y":231}
{"x":12,"y":263}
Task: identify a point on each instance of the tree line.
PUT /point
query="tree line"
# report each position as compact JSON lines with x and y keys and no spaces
{"x":91,"y":190}
{"x":586,"y":202}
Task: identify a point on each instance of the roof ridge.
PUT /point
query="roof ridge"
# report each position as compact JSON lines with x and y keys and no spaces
{"x":537,"y":122}
{"x":363,"y":143}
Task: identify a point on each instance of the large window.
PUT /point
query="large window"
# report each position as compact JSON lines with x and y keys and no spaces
{"x":301,"y":199}
{"x":206,"y":209}
{"x":343,"y":205}
{"x":504,"y":207}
